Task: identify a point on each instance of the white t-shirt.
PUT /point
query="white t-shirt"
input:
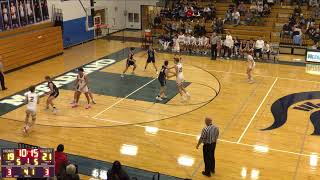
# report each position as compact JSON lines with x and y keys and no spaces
{"x":259,"y":44}
{"x":228,"y":42}
{"x":181,"y":38}
{"x":193,"y":40}
{"x":236,"y":15}
{"x":187,"y":40}
{"x":32,"y":101}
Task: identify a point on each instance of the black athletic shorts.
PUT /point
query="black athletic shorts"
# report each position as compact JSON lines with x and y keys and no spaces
{"x":55,"y":94}
{"x":162,"y":82}
{"x":149,"y":60}
{"x":130,"y":63}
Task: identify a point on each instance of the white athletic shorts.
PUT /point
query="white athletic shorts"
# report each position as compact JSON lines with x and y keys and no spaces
{"x":83,"y":90}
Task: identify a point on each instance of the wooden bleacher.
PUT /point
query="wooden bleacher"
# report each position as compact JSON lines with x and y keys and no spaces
{"x":27,"y":45}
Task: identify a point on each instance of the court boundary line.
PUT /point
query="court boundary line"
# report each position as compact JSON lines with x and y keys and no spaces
{"x":221,"y":140}
{"x":258,"y":109}
{"x":257,"y":75}
{"x":119,"y":101}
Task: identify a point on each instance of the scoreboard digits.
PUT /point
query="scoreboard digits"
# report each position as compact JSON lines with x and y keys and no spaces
{"x":33,"y":163}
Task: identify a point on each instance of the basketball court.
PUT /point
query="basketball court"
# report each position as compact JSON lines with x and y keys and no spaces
{"x":161,"y":136}
{"x":269,"y":130}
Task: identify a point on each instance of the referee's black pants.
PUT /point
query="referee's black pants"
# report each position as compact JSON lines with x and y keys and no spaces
{"x":2,"y":81}
{"x":214,"y":51}
{"x":209,"y":159}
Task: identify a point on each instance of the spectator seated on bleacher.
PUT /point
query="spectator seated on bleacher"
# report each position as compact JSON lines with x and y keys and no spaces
{"x":219,"y":26}
{"x":310,"y":22}
{"x":236,"y":17}
{"x":266,"y":9}
{"x":117,"y":173}
{"x":286,"y":30}
{"x":228,"y":45}
{"x":242,"y":8}
{"x":228,"y":16}
{"x":316,"y":11}
{"x":253,"y":8}
{"x":258,"y":48}
{"x":302,"y":22}
{"x":157,"y":21}
{"x":297,"y":40}
{"x":297,"y":11}
{"x":248,"y":17}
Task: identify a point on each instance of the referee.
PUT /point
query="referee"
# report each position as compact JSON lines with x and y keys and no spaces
{"x":209,"y":137}
{"x":2,"y":75}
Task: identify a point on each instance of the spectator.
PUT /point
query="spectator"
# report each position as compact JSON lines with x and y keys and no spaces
{"x":236,"y":17}
{"x":266,"y":9}
{"x":267,"y":49}
{"x":219,"y":26}
{"x":286,"y":30}
{"x":316,"y":11}
{"x":228,"y":16}
{"x":258,"y":47}
{"x":61,"y":160}
{"x":207,"y":13}
{"x":228,"y":45}
{"x":260,"y":10}
{"x":243,"y":48}
{"x":297,"y":11}
{"x":236,"y":47}
{"x":117,"y":173}
{"x":297,"y":39}
{"x":242,"y":8}
{"x":248,"y":17}
{"x":189,"y":13}
{"x":253,"y":8}
{"x":71,"y":173}
{"x":310,"y":22}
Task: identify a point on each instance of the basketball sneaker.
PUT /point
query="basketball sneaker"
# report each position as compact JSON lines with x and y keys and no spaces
{"x":88,"y":106}
{"x":74,"y":105}
{"x":159,"y":98}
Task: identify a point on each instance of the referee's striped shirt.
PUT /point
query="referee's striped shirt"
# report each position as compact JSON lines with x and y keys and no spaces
{"x":210,"y":134}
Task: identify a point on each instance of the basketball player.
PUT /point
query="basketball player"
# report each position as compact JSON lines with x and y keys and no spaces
{"x":163,"y":76}
{"x":130,"y":62}
{"x":32,"y":100}
{"x":81,"y":87}
{"x":151,"y":58}
{"x":53,"y":94}
{"x":180,"y":79}
{"x":251,"y":65}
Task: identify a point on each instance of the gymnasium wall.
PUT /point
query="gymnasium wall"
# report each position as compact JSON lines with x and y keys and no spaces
{"x":74,"y":21}
{"x":119,"y":9}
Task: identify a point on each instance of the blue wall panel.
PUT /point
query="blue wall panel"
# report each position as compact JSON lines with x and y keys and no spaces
{"x":74,"y":32}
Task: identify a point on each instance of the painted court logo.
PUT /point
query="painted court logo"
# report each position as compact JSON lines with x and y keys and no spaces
{"x":280,"y":108}
{"x":12,"y":102}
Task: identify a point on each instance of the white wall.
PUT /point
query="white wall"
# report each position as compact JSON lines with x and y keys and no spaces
{"x":71,"y":9}
{"x":116,"y":12}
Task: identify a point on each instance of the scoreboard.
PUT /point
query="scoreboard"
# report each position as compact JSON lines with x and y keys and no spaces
{"x":27,"y":163}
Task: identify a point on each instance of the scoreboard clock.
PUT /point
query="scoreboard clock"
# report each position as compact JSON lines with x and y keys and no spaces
{"x":27,"y":163}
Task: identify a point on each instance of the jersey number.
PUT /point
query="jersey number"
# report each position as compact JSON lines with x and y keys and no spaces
{"x":31,"y":99}
{"x":180,"y":70}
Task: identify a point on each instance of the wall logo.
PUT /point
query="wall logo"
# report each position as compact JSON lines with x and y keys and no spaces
{"x":313,"y":56}
{"x":280,"y":108}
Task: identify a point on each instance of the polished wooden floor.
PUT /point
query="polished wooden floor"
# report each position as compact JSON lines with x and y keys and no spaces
{"x":239,"y":109}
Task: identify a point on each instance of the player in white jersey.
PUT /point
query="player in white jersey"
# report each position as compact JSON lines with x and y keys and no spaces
{"x":31,"y":100}
{"x":187,"y":42}
{"x":206,"y":44}
{"x":251,"y":65}
{"x":180,"y":78}
{"x":81,"y":87}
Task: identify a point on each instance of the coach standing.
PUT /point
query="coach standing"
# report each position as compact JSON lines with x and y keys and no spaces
{"x":2,"y":75}
{"x":209,"y":137}
{"x":214,"y":40}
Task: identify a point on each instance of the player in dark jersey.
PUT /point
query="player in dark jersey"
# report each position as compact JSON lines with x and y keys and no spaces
{"x":151,"y":58}
{"x":163,"y":76}
{"x":130,"y":62}
{"x":53,"y":94}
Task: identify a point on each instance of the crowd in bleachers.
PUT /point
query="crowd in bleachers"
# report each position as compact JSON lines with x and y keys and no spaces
{"x":299,"y":27}
{"x":186,"y":31}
